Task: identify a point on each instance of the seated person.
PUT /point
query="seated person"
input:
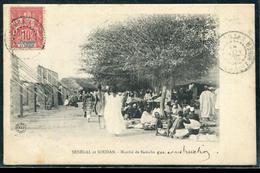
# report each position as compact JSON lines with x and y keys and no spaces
{"x":147,"y":96}
{"x":176,"y":108}
{"x":134,"y":112}
{"x":157,"y":109}
{"x":186,"y":109}
{"x":192,"y":114}
{"x":184,"y":104}
{"x":125,"y":111}
{"x":168,"y":109}
{"x":148,"y":120}
{"x":194,"y":125}
{"x":159,"y":125}
{"x":130,"y":97}
{"x":178,"y":129}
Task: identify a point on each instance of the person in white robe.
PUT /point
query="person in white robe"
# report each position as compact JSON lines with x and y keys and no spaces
{"x":114,"y":121}
{"x":217,"y":99}
{"x":206,"y":104}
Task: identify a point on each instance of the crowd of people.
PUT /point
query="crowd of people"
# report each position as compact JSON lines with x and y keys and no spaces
{"x":183,"y":114}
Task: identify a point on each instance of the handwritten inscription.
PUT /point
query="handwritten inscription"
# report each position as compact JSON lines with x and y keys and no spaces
{"x":184,"y":150}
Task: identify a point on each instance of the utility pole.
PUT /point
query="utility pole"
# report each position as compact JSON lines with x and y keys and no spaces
{"x":21,"y":101}
{"x":35,"y":98}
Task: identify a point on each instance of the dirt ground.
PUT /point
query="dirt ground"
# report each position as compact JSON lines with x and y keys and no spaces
{"x":69,"y":121}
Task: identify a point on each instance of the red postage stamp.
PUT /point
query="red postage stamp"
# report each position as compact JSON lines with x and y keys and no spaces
{"x":26,"y":27}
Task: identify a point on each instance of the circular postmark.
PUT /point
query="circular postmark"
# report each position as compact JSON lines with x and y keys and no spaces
{"x":26,"y":33}
{"x":236,"y":52}
{"x":20,"y":127}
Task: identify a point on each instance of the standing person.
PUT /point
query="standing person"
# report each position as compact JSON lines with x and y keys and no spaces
{"x":194,"y":91}
{"x":49,"y":102}
{"x":181,"y":95}
{"x":87,"y":99}
{"x":66,"y":102}
{"x":99,"y":105}
{"x":84,"y":104}
{"x":206,"y":104}
{"x":73,"y":100}
{"x":217,"y":105}
{"x":113,"y":118}
{"x":60,"y":100}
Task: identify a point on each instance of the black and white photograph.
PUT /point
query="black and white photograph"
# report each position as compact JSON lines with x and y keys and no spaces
{"x":129,"y":84}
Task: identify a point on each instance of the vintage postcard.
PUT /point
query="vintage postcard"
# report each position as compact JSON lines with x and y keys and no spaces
{"x":170,"y":84}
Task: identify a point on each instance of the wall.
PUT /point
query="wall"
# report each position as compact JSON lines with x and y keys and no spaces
{"x":15,"y":88}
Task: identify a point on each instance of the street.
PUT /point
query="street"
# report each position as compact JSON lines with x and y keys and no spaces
{"x":66,"y":121}
{"x":70,"y":121}
{"x":64,"y":133}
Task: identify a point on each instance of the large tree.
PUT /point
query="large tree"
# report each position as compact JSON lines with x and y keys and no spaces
{"x":157,"y":49}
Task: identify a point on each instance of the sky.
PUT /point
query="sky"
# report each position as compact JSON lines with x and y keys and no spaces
{"x":67,"y":27}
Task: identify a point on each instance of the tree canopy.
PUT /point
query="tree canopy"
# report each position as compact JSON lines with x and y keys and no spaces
{"x":77,"y":83}
{"x":151,"y":50}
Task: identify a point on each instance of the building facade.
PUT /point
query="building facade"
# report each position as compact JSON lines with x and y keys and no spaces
{"x":48,"y":81}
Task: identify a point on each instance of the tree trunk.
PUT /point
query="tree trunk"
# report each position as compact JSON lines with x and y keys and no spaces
{"x":162,"y":103}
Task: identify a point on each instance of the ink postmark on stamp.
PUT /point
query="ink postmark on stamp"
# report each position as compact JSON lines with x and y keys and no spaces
{"x":236,"y":52}
{"x":26,"y":28}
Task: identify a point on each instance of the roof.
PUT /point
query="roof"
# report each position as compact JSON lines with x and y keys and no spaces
{"x":211,"y":78}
